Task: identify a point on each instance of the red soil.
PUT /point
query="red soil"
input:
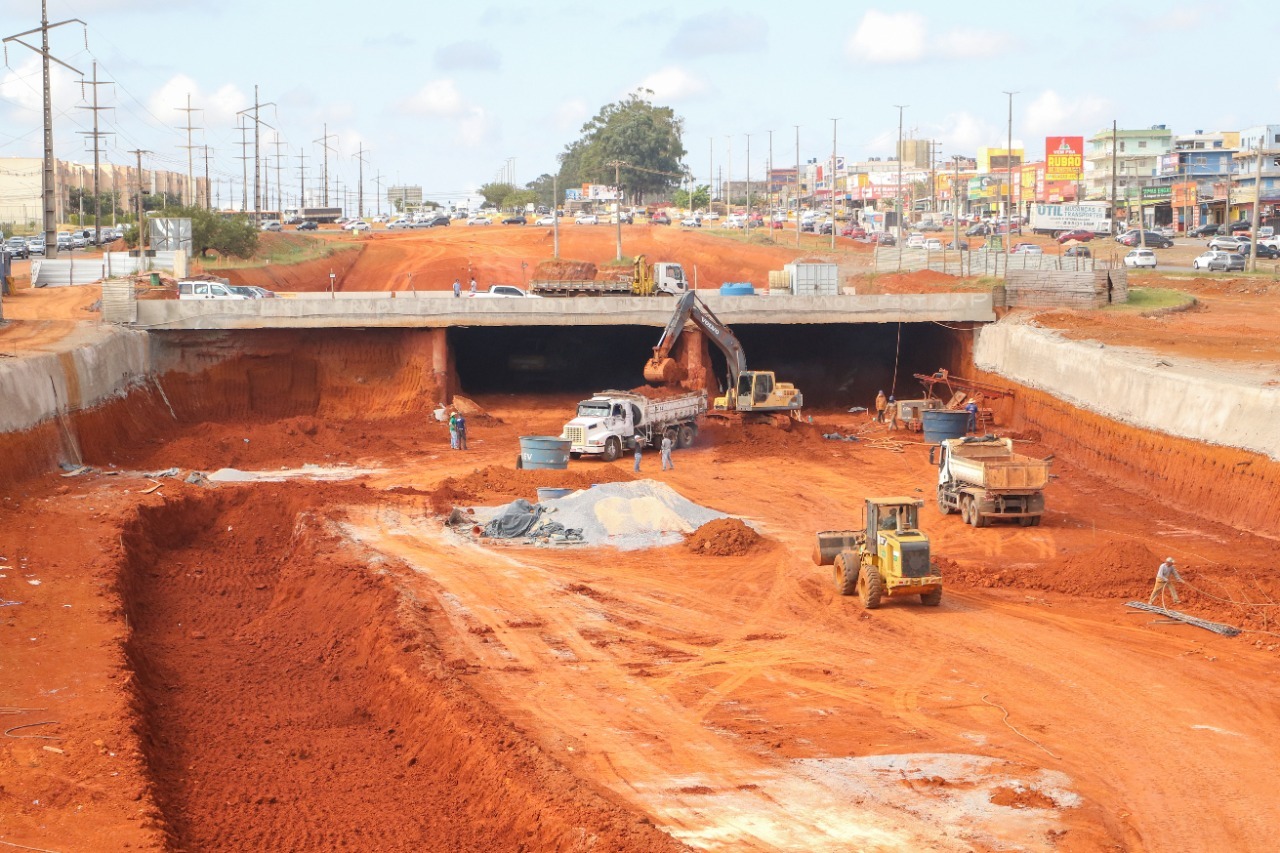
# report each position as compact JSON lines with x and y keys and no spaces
{"x":723,"y":537}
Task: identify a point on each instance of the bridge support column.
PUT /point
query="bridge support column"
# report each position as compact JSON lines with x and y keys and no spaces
{"x":443,"y":370}
{"x":693,"y":353}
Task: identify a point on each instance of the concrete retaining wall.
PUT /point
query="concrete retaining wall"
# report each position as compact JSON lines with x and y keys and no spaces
{"x":1215,"y":404}
{"x":96,"y":363}
{"x":1066,"y":289}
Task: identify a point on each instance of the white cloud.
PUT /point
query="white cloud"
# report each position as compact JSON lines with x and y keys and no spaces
{"x":22,"y":84}
{"x":969,"y":43}
{"x":965,"y":133}
{"x":438,"y":98}
{"x":888,"y":37}
{"x":722,"y":32}
{"x":571,"y":114}
{"x":673,"y":83}
{"x":475,"y":128}
{"x":219,"y":107}
{"x":1050,"y":114}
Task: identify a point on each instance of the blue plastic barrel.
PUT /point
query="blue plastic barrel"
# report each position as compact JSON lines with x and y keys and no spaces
{"x":544,"y":451}
{"x":545,"y":494}
{"x":941,"y":424}
{"x":737,"y":288}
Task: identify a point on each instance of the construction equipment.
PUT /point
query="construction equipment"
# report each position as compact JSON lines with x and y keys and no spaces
{"x":982,"y":478}
{"x":612,"y":421}
{"x":890,"y":557}
{"x":747,"y":391}
{"x":645,"y":279}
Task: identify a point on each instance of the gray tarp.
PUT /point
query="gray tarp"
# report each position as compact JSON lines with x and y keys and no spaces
{"x":515,"y":520}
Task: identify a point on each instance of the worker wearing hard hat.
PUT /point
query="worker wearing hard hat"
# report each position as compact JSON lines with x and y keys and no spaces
{"x":881,"y":402}
{"x":1166,"y":576}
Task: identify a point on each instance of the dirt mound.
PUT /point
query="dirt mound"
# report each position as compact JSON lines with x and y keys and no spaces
{"x":724,"y":537}
{"x":494,"y":483}
{"x":736,"y":440}
{"x":922,"y":281}
{"x":664,"y":392}
{"x":563,"y":270}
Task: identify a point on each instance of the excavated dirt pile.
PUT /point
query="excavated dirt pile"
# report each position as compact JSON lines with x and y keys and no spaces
{"x":563,"y":270}
{"x":494,"y":482}
{"x":724,"y":537}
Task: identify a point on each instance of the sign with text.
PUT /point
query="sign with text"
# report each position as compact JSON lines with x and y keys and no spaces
{"x":1064,"y":158}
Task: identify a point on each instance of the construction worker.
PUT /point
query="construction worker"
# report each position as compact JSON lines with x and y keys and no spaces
{"x":1166,"y":576}
{"x":638,"y":457}
{"x":461,"y":427}
{"x":453,"y":430}
{"x":667,"y":444}
{"x":972,"y":408}
{"x":473,"y":285}
{"x":457,"y":288}
{"x":881,"y":403}
{"x":891,"y":413}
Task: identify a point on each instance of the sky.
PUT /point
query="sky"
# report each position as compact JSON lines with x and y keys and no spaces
{"x":451,"y":95}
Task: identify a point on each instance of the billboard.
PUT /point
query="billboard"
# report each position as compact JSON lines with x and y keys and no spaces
{"x":1064,"y":158}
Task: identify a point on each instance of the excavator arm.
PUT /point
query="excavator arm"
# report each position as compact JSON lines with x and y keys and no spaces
{"x":663,"y":370}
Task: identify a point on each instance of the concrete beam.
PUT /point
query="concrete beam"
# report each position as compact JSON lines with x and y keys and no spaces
{"x":432,"y":310}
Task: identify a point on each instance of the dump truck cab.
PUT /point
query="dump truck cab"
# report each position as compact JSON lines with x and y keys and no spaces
{"x":888,"y":557}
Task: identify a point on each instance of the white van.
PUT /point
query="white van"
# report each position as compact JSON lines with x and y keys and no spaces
{"x":207,"y":290}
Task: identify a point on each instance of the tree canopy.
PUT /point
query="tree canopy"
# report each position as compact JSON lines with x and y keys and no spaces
{"x":644,"y":137}
{"x":699,"y":199}
{"x":494,"y":193}
{"x":210,"y":230}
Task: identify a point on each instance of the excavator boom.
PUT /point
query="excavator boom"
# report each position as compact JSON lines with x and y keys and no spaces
{"x":662,"y":368}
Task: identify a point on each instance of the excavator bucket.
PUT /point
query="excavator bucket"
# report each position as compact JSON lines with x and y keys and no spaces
{"x":662,"y":371}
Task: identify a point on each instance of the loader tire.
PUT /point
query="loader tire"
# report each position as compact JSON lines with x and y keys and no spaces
{"x":872,"y":587}
{"x":931,"y":599}
{"x":612,"y":449}
{"x":845,"y":571}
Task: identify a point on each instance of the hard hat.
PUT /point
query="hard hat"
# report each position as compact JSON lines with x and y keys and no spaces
{"x":890,"y":399}
{"x":1168,"y":559}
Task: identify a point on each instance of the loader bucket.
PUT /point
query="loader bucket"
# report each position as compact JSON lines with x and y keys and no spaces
{"x":831,"y":542}
{"x":662,"y":371}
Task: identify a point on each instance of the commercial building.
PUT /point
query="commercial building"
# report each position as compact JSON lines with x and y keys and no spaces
{"x":22,"y":203}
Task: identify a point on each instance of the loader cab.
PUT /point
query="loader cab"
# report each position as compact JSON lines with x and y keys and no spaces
{"x":897,"y":515}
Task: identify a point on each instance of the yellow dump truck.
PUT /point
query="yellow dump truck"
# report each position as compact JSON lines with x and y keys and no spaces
{"x":983,"y":479}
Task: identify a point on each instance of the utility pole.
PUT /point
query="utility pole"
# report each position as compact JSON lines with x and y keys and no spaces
{"x":50,"y":175}
{"x":208,"y":192}
{"x":797,"y":127}
{"x":555,"y":217}
{"x":190,"y":194}
{"x":1114,"y":150}
{"x":768,"y":182}
{"x":324,"y":174}
{"x":900,"y":107}
{"x":377,"y":183}
{"x":1257,"y":206}
{"x":1008,"y":161}
{"x":728,"y":181}
{"x":711,"y":171}
{"x":257,"y":151}
{"x":359,"y":155}
{"x":244,"y":167}
{"x":955,"y":206}
{"x":142,"y":233}
{"x":748,"y":225}
{"x":302,"y":180}
{"x":95,"y":134}
{"x":277,"y":144}
{"x":834,"y":121}
{"x":617,"y":187}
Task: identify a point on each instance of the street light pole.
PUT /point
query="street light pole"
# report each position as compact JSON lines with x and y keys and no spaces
{"x":1008,"y":160}
{"x":900,"y":107}
{"x":833,"y":182}
{"x":797,"y":127}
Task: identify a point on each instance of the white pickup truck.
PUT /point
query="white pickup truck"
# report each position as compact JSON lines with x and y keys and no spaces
{"x":207,"y":290}
{"x":613,"y":420}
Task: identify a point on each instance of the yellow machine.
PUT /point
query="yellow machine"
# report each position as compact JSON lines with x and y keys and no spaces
{"x":747,"y":391}
{"x":889,"y":558}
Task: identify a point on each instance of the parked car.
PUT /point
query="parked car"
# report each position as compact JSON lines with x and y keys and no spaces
{"x":1264,"y":251}
{"x":355,"y":225}
{"x":1026,"y":249}
{"x":929,"y":226}
{"x":1141,"y":258}
{"x":962,"y":245}
{"x":1078,"y":234}
{"x":1226,"y":244}
{"x":35,"y":245}
{"x":915,"y":241}
{"x":1241,"y":225}
{"x":433,"y":221}
{"x":1212,"y":260}
{"x":933,"y":244}
{"x":1077,"y":252}
{"x":64,"y":241}
{"x":271,"y":225}
{"x":78,"y":241}
{"x":884,"y":238}
{"x":547,"y":219}
{"x":505,"y":291}
{"x":400,"y":223}
{"x":17,"y":247}
{"x":308,"y":225}
{"x":1151,"y":238}
{"x":854,"y":231}
{"x":823,"y":227}
{"x":980,"y":229}
{"x":518,"y":219}
{"x":1205,"y":230}
{"x":660,"y":218}
{"x":694,"y":221}
{"x":479,"y":220}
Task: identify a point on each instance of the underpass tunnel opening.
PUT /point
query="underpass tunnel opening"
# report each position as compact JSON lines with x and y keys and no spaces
{"x":834,"y":365}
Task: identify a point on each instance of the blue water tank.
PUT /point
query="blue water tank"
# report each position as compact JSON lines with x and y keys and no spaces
{"x":544,"y":451}
{"x":737,"y":288}
{"x":941,"y":424}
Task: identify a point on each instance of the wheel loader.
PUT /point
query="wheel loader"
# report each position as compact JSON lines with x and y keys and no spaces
{"x":889,"y":558}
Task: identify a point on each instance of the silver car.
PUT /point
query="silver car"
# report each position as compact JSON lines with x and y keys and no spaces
{"x":1219,"y":261}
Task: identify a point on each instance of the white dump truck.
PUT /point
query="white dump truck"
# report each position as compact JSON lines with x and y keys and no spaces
{"x":614,"y":421}
{"x":982,"y":478}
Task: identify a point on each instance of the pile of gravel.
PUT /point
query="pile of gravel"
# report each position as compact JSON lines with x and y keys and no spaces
{"x":630,"y":515}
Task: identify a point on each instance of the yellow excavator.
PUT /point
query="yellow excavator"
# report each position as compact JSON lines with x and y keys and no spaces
{"x":747,"y":391}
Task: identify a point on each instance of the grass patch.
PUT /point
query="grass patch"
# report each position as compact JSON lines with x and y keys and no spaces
{"x":283,"y":249}
{"x":1153,"y":299}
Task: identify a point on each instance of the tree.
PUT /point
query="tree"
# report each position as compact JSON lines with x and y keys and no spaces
{"x":635,"y":132}
{"x":543,"y":187}
{"x":226,"y":235}
{"x":494,"y":193}
{"x":519,"y":198}
{"x":699,"y":199}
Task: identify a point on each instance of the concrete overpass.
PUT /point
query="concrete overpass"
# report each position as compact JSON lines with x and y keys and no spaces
{"x":437,"y":310}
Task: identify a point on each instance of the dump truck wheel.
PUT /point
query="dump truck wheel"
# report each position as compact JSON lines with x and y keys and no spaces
{"x":1027,"y":521}
{"x":687,"y":434}
{"x":978,"y":519}
{"x":1035,"y":521}
{"x":931,"y":599}
{"x":872,"y":587}
{"x":575,"y":456}
{"x":845,"y":571}
{"x":965,"y":506}
{"x":944,"y":507}
{"x":612,"y":449}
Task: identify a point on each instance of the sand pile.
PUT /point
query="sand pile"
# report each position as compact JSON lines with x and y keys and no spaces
{"x":724,"y":537}
{"x":630,"y":516}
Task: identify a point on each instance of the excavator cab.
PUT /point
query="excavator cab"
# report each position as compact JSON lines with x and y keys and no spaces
{"x":760,"y":391}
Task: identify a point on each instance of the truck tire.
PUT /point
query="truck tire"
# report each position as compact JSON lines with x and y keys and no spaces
{"x":872,"y":587}
{"x":574,"y":456}
{"x":931,"y":599}
{"x":966,"y":505}
{"x":612,"y":449}
{"x":845,"y":570}
{"x":687,"y":434}
{"x":1027,"y":521}
{"x":674,"y":434}
{"x":944,"y":507}
{"x":1035,"y":520}
{"x":978,"y":519}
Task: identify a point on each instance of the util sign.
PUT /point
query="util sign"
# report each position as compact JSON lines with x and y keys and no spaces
{"x":1064,"y":158}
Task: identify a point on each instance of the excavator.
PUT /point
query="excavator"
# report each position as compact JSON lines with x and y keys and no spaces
{"x":748,"y":391}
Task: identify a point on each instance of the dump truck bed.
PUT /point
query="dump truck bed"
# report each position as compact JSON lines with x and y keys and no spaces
{"x":994,"y":465}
